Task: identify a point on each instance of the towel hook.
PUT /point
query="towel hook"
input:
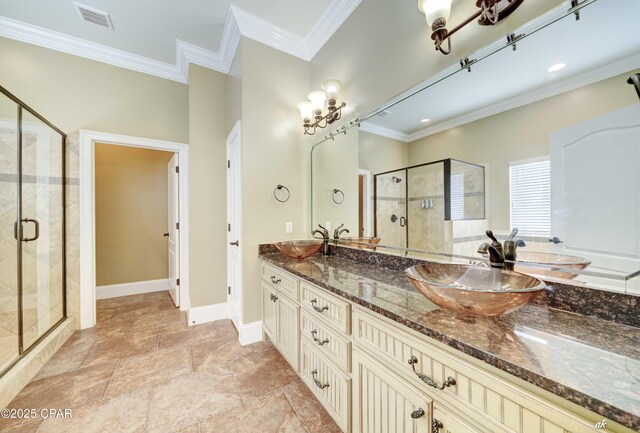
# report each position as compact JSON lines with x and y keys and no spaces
{"x":337,"y":196}
{"x":278,"y":188}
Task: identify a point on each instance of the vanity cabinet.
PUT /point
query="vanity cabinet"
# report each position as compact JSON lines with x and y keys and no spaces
{"x":374,"y":375}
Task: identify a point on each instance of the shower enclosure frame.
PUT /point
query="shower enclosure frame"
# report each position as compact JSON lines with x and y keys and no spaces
{"x":447,"y":192}
{"x":22,"y":352}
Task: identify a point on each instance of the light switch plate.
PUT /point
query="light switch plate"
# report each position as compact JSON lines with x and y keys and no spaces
{"x":288,"y":227}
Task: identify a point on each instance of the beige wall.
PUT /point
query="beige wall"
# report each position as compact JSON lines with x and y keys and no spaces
{"x":273,"y":152}
{"x":384,"y":48}
{"x":380,"y":154}
{"x":131,"y":214}
{"x":335,"y":166}
{"x":76,"y":93}
{"x":519,"y":134}
{"x":207,"y":186}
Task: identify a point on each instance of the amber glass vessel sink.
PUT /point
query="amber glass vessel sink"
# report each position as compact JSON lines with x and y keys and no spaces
{"x":474,"y":290}
{"x":367,"y":243}
{"x":559,"y":262}
{"x":298,"y":249}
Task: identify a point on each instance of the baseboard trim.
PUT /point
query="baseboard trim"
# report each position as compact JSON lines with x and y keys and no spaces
{"x":208,"y":313}
{"x":136,"y":288}
{"x":250,"y":333}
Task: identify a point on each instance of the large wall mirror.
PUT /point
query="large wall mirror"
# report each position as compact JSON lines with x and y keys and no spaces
{"x":543,"y":139}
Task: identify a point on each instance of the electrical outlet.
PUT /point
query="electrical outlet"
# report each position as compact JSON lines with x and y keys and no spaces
{"x":288,"y":227}
{"x":327,"y":225}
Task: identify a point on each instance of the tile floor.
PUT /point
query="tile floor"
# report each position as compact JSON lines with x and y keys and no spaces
{"x":142,"y":369}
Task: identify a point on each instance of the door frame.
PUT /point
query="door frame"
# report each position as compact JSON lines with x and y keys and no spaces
{"x":367,"y":193}
{"x":235,"y":134}
{"x":86,"y":155}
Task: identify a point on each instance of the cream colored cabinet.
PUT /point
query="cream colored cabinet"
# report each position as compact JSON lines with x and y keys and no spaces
{"x":269,"y":311}
{"x":287,"y":329}
{"x":445,"y":422}
{"x":384,"y":403}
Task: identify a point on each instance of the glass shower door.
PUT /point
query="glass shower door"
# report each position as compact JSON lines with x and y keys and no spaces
{"x":426,"y":207}
{"x":391,"y":208}
{"x":42,"y":228}
{"x":9,"y":333}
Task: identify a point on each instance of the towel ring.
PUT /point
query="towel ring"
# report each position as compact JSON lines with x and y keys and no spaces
{"x":337,"y":196}
{"x":278,"y":188}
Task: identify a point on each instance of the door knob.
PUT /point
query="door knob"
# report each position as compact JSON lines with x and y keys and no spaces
{"x":166,"y":235}
{"x":236,"y":243}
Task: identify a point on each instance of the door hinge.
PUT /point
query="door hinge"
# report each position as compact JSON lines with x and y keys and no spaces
{"x":228,"y":227}
{"x":228,"y":163}
{"x":229,"y":290}
{"x":177,"y":169}
{"x":178,"y":282}
{"x":177,"y":226}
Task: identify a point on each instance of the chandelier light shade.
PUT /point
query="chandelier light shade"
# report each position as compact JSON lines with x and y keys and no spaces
{"x":437,"y":13}
{"x":312,"y":110}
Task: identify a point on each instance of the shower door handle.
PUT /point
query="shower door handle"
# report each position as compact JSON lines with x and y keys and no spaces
{"x":37,"y":227}
{"x":403,"y":222}
{"x":15,"y":230}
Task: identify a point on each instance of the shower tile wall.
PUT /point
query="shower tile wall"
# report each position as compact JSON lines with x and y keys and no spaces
{"x":426,"y":226}
{"x":390,"y":200}
{"x":473,"y":188}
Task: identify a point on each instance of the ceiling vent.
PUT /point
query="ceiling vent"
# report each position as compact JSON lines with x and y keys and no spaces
{"x":94,"y":16}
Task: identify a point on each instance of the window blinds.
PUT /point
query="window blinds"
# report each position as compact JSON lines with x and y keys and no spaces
{"x":530,"y":195}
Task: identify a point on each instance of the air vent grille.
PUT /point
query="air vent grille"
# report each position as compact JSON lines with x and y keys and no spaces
{"x":94,"y":16}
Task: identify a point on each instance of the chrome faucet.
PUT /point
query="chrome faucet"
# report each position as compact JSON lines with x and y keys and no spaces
{"x":326,"y":250}
{"x":502,"y":255}
{"x":337,"y":232}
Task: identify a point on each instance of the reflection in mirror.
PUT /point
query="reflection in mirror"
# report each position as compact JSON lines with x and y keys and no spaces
{"x":540,"y":144}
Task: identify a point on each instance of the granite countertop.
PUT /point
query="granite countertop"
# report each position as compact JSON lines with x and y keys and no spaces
{"x":589,"y":361}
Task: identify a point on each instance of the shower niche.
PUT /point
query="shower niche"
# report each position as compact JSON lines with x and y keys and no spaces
{"x":429,"y":206}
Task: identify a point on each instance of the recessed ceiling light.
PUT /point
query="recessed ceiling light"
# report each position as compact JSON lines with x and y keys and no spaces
{"x":556,"y":67}
{"x":424,"y":120}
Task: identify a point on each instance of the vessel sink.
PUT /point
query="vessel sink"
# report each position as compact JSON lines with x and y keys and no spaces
{"x":549,"y":259}
{"x":474,"y":290}
{"x":367,"y":243}
{"x":298,"y":249}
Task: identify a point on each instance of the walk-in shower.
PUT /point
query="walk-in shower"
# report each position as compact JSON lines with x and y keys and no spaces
{"x":32,"y":229}
{"x":417,"y":207}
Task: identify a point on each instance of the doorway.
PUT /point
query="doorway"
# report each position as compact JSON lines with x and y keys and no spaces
{"x":88,"y":141}
{"x":136,"y":202}
{"x":365,"y":203}
{"x":234,"y":228}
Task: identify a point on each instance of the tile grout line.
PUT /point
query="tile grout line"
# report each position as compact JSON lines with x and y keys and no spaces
{"x":113,"y":373}
{"x":304,"y":425}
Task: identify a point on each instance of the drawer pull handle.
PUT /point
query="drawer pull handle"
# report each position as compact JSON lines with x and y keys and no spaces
{"x":426,"y":379}
{"x":417,"y":413}
{"x":436,"y":425}
{"x":317,"y":382}
{"x":275,"y":280}
{"x":319,"y":310}
{"x":317,"y":340}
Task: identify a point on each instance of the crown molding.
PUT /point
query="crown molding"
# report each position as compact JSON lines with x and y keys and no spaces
{"x":571,"y":83}
{"x":372,"y":128}
{"x":238,"y":23}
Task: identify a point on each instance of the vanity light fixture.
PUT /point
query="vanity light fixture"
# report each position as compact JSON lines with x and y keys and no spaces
{"x":437,"y":13}
{"x":556,"y":67}
{"x":311,"y":111}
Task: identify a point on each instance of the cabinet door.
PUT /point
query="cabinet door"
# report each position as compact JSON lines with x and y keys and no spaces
{"x":287,"y":329}
{"x":384,"y":403}
{"x":445,"y":422}
{"x":269,"y":312}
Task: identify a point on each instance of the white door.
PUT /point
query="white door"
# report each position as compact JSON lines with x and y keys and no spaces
{"x":234,"y":227}
{"x":174,"y":233}
{"x":595,"y":181}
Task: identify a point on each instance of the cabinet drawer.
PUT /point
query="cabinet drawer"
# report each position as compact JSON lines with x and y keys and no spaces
{"x":285,"y":282}
{"x":332,"y":309}
{"x":331,"y":386}
{"x":326,"y":340}
{"x":493,"y":402}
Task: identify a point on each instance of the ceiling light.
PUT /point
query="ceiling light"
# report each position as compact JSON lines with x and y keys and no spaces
{"x":437,"y":13}
{"x":556,"y":67}
{"x":424,"y":120}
